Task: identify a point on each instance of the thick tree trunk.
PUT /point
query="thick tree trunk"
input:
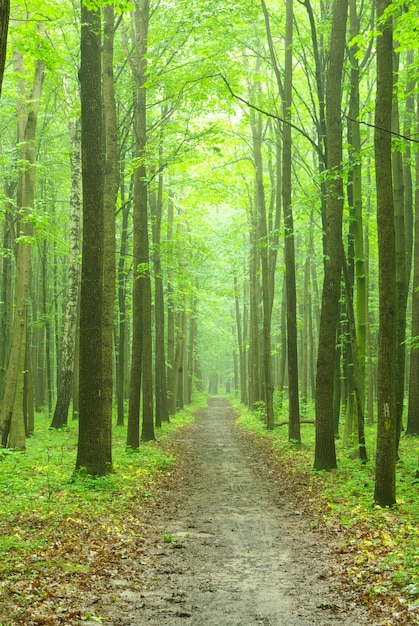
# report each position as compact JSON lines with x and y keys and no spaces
{"x":385,"y":470}
{"x":92,"y":443}
{"x":325,"y":453}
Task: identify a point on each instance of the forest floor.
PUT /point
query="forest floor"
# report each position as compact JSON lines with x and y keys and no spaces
{"x":212,"y":525}
{"x":228,"y":544}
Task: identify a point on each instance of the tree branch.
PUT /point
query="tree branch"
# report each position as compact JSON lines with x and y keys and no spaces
{"x":268,"y":114}
{"x":386,"y":130}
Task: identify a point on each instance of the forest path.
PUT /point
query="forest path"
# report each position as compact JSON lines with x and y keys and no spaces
{"x":226,"y":552}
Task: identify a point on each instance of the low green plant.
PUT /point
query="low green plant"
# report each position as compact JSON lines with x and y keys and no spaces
{"x":50,"y":515}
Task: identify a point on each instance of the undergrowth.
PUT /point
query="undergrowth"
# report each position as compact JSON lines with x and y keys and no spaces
{"x":378,"y":549}
{"x":50,"y":515}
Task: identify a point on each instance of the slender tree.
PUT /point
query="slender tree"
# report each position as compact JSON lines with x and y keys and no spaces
{"x":109,"y":243}
{"x":325,"y":453}
{"x":65,"y":387}
{"x":141,"y":362}
{"x":385,"y":471}
{"x":294,"y":402}
{"x":412,"y":427}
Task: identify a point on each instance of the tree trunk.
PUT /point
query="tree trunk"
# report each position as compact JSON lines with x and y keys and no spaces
{"x":412,"y":427}
{"x":4,"y":27}
{"x":358,"y":230}
{"x":121,"y":367}
{"x":109,"y":243}
{"x":65,"y":388}
{"x":254,"y":393}
{"x":92,"y":444}
{"x":156,"y":210}
{"x":385,"y":470}
{"x":293,"y":392}
{"x":25,"y":198}
{"x":325,"y":453}
{"x":170,"y":315}
{"x":141,"y":360}
{"x":242,"y":353}
{"x":262,"y":244}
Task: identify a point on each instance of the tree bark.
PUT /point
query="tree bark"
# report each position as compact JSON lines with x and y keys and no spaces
{"x":92,"y":445}
{"x":65,"y":387}
{"x":325,"y":453}
{"x":109,"y":243}
{"x":27,"y":123}
{"x":385,"y":470}
{"x":4,"y":27}
{"x":294,"y":433}
{"x":141,"y":361}
{"x":401,"y":256}
{"x":156,"y":210}
{"x":412,"y":427}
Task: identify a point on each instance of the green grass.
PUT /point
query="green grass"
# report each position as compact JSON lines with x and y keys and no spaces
{"x":380,"y":546}
{"x":40,"y":494}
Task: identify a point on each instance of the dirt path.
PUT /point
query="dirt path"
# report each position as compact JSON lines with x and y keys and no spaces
{"x":226,"y":553}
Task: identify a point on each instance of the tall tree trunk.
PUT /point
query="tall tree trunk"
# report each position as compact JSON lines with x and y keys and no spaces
{"x":412,"y":427}
{"x":262,"y":244}
{"x":358,"y":230}
{"x":141,"y":361}
{"x":170,"y":314}
{"x":254,"y":393}
{"x":156,"y":210}
{"x":190,"y":367}
{"x":241,"y":344}
{"x":293,"y":392}
{"x":385,"y":469}
{"x":65,"y":387}
{"x":27,"y":123}
{"x":109,"y":243}
{"x":121,"y":367}
{"x":92,"y":443}
{"x":325,"y":453}
{"x":401,"y":255}
{"x":177,"y":397}
{"x":6,"y":313}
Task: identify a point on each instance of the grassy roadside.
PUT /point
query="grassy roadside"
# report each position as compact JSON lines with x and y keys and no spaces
{"x":59,"y":536}
{"x":377,"y":549}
